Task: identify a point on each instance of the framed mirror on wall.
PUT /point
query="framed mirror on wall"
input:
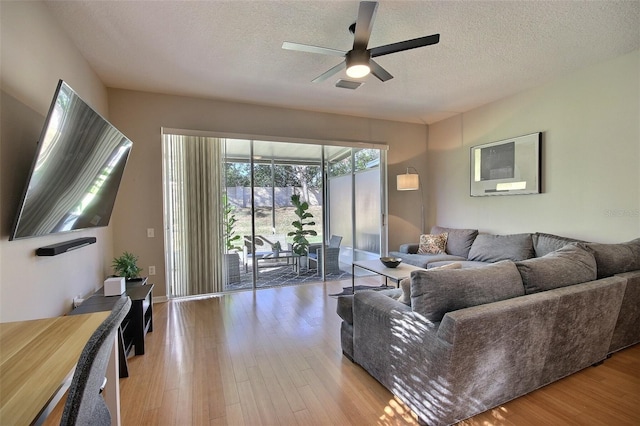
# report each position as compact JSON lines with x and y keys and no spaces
{"x":506,"y":167}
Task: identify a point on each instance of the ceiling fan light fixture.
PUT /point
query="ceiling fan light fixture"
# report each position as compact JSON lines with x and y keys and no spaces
{"x":358,"y":71}
{"x":358,"y":63}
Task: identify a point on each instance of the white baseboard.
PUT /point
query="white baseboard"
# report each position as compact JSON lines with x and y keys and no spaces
{"x":160,"y":299}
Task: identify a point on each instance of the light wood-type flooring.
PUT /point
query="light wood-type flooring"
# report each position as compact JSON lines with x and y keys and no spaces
{"x":272,"y":357}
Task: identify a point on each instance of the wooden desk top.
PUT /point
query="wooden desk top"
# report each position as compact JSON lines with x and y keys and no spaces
{"x":36,"y":357}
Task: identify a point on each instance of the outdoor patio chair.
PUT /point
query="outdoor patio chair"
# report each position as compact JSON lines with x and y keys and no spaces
{"x":264,"y":248}
{"x":332,"y":252}
{"x":249,"y":251}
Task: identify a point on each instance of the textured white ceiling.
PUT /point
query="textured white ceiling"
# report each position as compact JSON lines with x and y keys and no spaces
{"x":232,"y":49}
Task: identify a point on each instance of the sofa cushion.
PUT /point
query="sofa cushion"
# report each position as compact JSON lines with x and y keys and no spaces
{"x":436,"y":292}
{"x":571,"y":264}
{"x":410,"y":248}
{"x":616,"y":258}
{"x":546,"y":243}
{"x":433,"y":243}
{"x":405,"y":283}
{"x":463,"y":264}
{"x":422,"y":260}
{"x":494,"y":248}
{"x":458,"y":240}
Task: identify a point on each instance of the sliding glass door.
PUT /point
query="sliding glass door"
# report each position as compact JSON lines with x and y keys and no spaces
{"x":357,"y":201}
{"x":268,"y":174}
{"x":247,"y":214}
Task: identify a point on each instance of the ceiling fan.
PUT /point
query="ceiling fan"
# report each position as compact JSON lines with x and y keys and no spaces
{"x":358,"y":60}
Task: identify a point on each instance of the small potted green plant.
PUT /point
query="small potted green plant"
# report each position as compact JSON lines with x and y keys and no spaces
{"x":126,"y":266}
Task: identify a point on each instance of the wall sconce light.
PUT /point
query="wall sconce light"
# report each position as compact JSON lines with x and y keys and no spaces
{"x":412,"y":182}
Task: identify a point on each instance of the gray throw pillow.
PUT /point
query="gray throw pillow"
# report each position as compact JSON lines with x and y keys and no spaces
{"x":405,"y":283}
{"x":494,"y":248}
{"x":436,"y":292}
{"x":571,"y":264}
{"x":458,"y":240}
{"x":616,"y":258}
{"x":546,"y":243}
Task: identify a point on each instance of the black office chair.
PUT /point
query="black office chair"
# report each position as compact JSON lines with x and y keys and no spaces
{"x":85,"y":405}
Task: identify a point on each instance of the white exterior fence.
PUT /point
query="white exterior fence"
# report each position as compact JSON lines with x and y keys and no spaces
{"x":240,"y":196}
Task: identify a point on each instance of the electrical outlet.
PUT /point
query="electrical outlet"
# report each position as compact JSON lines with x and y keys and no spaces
{"x":152,"y":270}
{"x":151,"y":232}
{"x":77,"y":301}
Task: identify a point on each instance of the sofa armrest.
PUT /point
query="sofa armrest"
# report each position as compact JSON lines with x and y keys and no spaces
{"x":409,"y":248}
{"x":627,"y":331}
{"x":379,"y":305}
{"x":380,"y":328}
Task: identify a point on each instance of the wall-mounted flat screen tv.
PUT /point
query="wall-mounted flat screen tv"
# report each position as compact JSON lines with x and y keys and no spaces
{"x":76,"y":172}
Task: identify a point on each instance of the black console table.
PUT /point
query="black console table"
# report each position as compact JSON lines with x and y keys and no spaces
{"x":137,"y":323}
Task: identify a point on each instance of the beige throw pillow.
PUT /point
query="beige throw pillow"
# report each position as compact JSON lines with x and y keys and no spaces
{"x":405,"y":284}
{"x":433,"y":243}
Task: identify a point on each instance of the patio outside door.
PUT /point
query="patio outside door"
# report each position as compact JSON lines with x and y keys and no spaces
{"x":242,"y":212}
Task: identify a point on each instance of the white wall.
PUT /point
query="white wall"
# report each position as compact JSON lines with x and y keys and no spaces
{"x":590,"y":122}
{"x":35,"y":54}
{"x":142,"y":115}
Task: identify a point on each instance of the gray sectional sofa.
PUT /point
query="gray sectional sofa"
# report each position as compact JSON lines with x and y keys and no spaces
{"x":507,"y":323}
{"x":472,"y":249}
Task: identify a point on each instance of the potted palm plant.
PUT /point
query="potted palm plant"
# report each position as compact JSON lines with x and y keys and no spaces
{"x":231,"y":239}
{"x":301,"y":232}
{"x":230,"y":220}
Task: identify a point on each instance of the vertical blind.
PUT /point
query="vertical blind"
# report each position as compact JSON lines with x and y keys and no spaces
{"x":194,"y":216}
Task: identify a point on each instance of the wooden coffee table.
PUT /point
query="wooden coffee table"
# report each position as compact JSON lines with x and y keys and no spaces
{"x":374,"y":265}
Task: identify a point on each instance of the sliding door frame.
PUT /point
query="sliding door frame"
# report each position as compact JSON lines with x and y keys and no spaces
{"x":382,"y":147}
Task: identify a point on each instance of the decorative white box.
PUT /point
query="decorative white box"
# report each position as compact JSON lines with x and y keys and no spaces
{"x":114,"y":286}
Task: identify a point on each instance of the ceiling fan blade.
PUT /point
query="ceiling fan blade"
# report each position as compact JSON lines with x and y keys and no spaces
{"x":405,"y":45}
{"x":312,"y":49}
{"x":332,"y":71}
{"x":364,"y":24}
{"x":378,"y":71}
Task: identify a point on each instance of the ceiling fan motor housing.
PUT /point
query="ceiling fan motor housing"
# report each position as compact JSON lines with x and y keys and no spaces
{"x":358,"y":57}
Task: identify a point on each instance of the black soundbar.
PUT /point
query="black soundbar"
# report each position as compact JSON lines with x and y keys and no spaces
{"x":59,"y":248}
